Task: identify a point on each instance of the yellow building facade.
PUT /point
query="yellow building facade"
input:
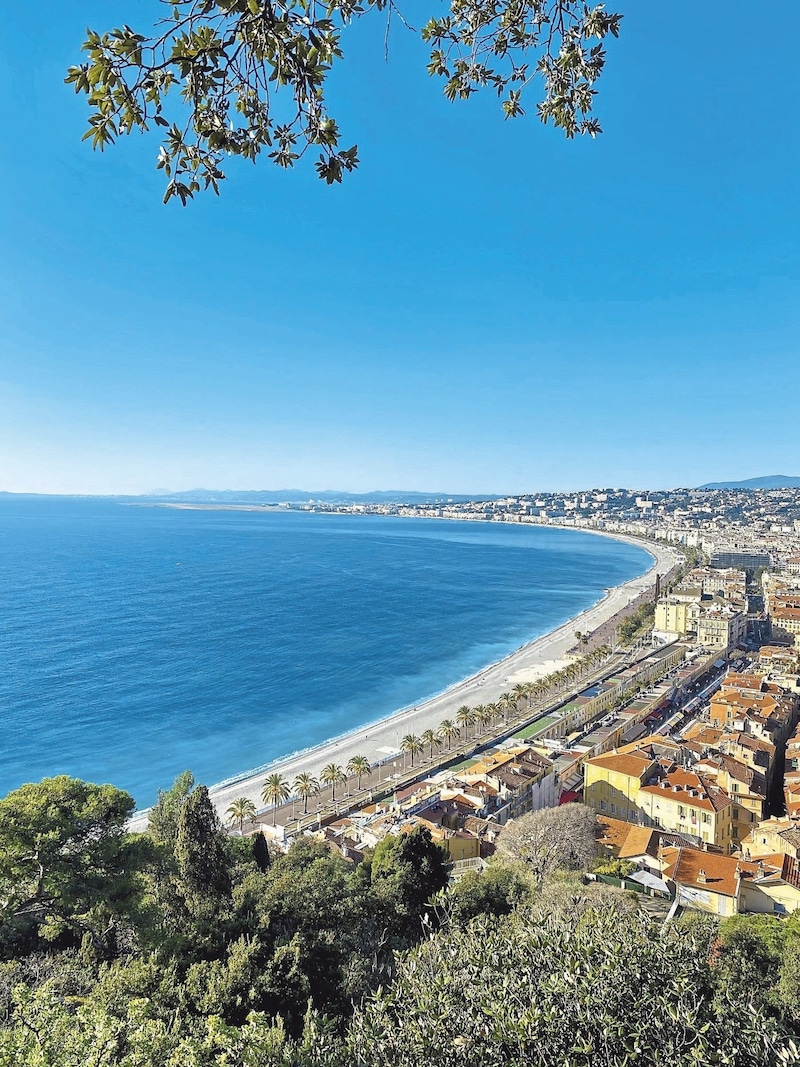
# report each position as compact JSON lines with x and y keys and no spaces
{"x":612,"y":784}
{"x":686,"y":804}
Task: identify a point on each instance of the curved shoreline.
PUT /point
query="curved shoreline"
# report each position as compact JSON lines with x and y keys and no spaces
{"x":379,"y":741}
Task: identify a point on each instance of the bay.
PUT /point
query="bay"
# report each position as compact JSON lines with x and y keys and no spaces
{"x":137,"y":642}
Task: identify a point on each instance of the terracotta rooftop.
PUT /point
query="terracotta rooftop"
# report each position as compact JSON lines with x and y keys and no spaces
{"x":633,"y":766}
{"x":481,"y":827}
{"x":790,"y":871}
{"x":734,"y":680}
{"x":652,"y":745}
{"x":778,"y":611}
{"x":628,"y":840}
{"x":703,"y":733}
{"x":755,"y":744}
{"x":734,"y":698}
{"x":791,"y":835}
{"x":706,"y":871}
{"x":641,"y":841}
{"x":612,"y":833}
{"x":689,"y":789}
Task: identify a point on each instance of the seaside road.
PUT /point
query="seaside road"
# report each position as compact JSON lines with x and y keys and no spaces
{"x":380,"y":741}
{"x":397,"y":772}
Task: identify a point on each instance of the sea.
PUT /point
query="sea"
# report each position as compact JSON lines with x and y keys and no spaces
{"x":138,"y":641}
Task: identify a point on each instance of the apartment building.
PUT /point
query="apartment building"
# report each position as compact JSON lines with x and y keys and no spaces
{"x":785,"y":623}
{"x":689,"y":804}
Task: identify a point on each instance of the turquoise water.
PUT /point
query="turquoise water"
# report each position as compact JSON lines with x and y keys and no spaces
{"x":136,"y":642}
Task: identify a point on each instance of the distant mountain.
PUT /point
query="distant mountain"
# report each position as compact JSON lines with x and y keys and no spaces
{"x":770,"y":481}
{"x":302,"y":496}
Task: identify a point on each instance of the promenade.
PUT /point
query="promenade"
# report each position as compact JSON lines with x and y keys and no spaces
{"x":380,"y":741}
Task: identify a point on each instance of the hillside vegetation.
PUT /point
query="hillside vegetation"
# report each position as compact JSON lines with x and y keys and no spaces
{"x":188,"y":947}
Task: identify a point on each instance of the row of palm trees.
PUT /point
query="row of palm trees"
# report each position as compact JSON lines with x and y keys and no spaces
{"x":277,"y":790}
{"x":507,"y":706}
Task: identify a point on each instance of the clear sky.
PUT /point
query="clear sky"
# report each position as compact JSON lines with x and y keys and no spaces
{"x":482,"y":307}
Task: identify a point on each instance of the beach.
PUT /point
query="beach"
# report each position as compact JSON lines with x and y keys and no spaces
{"x":380,"y":741}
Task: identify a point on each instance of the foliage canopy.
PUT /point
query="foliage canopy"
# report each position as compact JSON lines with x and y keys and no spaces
{"x":182,"y":947}
{"x":65,"y":863}
{"x":251,"y":75}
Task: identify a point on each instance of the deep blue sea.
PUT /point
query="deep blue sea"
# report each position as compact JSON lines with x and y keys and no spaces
{"x":137,"y":642}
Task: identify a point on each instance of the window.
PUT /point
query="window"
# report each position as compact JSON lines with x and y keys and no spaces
{"x":613,"y":809}
{"x":623,"y":813}
{"x":602,"y":805}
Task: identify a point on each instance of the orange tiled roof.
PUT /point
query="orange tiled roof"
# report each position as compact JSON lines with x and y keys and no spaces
{"x":633,"y":766}
{"x":638,"y":842}
{"x":703,"y":733}
{"x":706,"y":870}
{"x":735,"y":680}
{"x":780,"y":612}
{"x":691,"y":789}
{"x":646,"y":745}
{"x":612,"y":833}
{"x":790,"y":871}
{"x":734,"y":698}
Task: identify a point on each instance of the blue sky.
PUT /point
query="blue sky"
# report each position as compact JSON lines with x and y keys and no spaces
{"x":482,"y":307}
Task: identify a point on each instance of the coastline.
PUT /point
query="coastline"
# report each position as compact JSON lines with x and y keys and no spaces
{"x":379,"y":741}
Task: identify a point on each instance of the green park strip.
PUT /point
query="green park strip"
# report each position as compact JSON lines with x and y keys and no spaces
{"x":535,"y":728}
{"x":463,"y":765}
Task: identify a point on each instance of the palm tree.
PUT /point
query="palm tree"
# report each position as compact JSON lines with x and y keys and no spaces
{"x":411,"y":744}
{"x":540,"y":688}
{"x":494,"y":711}
{"x":429,"y":738}
{"x":240,"y":810}
{"x":483,"y":715}
{"x":275,"y":792}
{"x":305,"y":786}
{"x":358,"y":767}
{"x":563,"y":679}
{"x":331,"y":775}
{"x":520,"y":691}
{"x":448,"y":730}
{"x":465,"y":717}
{"x":507,"y":704}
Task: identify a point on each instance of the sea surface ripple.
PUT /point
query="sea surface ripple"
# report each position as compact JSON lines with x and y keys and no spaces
{"x":137,"y":642}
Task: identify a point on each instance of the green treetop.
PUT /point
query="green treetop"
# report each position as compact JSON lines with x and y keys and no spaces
{"x":66,"y":865}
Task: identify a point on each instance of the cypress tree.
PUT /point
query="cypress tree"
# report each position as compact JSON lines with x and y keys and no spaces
{"x":261,"y":852}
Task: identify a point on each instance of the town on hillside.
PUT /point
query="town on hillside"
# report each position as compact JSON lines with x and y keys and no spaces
{"x":734,"y":527}
{"x":681,"y":734}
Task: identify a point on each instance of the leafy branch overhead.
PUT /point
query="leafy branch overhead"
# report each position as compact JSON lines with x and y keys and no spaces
{"x":237,"y":77}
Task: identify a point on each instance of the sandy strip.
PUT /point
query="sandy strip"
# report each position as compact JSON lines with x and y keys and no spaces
{"x":379,"y":741}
